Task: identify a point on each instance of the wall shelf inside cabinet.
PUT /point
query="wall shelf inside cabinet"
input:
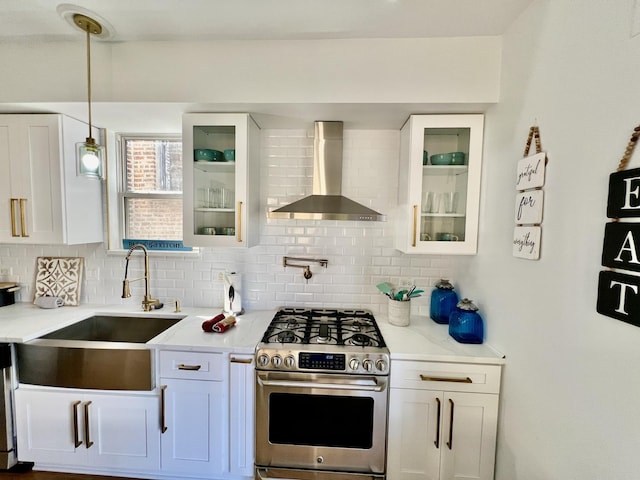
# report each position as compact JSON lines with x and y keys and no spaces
{"x":445,"y":169}
{"x":443,"y":215}
{"x":217,"y":210}
{"x":221,"y":167}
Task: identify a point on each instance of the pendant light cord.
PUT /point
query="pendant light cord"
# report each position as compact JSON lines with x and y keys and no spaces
{"x":89,"y":76}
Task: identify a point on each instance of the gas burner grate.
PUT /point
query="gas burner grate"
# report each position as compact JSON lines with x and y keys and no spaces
{"x":353,"y":327}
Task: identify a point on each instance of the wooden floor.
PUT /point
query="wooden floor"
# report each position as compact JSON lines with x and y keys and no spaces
{"x":35,"y":475}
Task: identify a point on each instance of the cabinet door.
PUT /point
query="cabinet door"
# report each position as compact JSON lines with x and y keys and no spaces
{"x":439,"y":184}
{"x":469,"y":435}
{"x":46,"y":430}
{"x":221,"y":194}
{"x":42,"y":199}
{"x":242,"y":421}
{"x":415,"y":443}
{"x":195,"y":415}
{"x":124,"y":430}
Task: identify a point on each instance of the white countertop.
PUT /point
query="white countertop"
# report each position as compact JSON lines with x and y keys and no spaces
{"x":422,"y":339}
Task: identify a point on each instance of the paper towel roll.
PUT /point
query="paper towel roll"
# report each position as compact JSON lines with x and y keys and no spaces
{"x":49,"y":302}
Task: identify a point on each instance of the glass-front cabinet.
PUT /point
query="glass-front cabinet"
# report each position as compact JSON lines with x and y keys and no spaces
{"x":439,"y":184}
{"x":221,"y":180}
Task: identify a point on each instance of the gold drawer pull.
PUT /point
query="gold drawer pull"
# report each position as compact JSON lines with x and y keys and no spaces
{"x":88,"y":442}
{"x":194,"y":368}
{"x":14,"y":226}
{"x":23,"y":217}
{"x":76,"y":437}
{"x":426,"y":378}
{"x":248,"y":361}
{"x":163,"y":405}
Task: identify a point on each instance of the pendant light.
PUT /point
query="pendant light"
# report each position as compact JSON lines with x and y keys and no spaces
{"x":89,"y":154}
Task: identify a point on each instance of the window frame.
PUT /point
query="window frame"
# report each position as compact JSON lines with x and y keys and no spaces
{"x":117,"y":188}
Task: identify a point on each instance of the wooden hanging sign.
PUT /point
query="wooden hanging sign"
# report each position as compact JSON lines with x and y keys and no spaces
{"x":619,"y":293}
{"x":529,"y":202}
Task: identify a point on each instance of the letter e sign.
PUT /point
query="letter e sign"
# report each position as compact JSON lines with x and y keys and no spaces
{"x":624,"y":194}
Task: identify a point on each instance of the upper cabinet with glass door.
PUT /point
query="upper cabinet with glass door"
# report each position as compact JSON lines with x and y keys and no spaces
{"x":221,"y":180}
{"x":439,"y":184}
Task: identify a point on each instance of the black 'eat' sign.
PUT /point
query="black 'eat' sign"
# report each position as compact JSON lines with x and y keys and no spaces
{"x":622,"y":246}
{"x":619,"y":297}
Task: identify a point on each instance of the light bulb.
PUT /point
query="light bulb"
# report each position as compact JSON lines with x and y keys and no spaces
{"x":90,"y":162}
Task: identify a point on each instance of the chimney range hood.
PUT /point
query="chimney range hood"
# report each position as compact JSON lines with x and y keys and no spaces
{"x":327,"y":202}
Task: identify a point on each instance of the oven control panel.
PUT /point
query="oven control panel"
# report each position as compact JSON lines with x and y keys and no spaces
{"x":351,"y":362}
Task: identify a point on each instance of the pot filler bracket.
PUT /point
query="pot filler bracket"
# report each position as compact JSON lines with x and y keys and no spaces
{"x":619,"y":291}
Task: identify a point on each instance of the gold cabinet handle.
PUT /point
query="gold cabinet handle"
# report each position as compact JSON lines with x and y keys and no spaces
{"x":163,"y":403}
{"x":74,"y":411}
{"x":87,"y":440}
{"x":247,"y":361}
{"x":450,"y":442}
{"x":239,"y":222}
{"x":14,"y":227}
{"x":23,"y":217}
{"x":437,"y":442}
{"x":415,"y":226}
{"x":426,"y":378}
{"x":182,"y":366}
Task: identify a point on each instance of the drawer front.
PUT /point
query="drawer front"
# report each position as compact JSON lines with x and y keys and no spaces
{"x":451,"y":377}
{"x":192,"y":365}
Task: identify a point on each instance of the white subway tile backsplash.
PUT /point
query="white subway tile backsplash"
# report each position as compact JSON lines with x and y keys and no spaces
{"x":360,"y":254}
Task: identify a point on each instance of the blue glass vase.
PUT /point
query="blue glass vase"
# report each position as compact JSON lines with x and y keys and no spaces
{"x":443,"y":301}
{"x":465,"y":324}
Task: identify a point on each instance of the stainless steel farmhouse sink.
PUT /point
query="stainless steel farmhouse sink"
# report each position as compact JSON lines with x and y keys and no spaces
{"x":106,"y":352}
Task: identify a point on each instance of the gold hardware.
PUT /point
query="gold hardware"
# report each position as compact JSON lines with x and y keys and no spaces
{"x":239,"y":222}
{"x":306,"y":269}
{"x":177,"y":310}
{"x":148,"y":303}
{"x":14,"y":227}
{"x":426,"y":378}
{"x":194,"y":368}
{"x":415,"y":225}
{"x":450,"y":442}
{"x":88,"y":442}
{"x":247,"y":361}
{"x":23,"y":217}
{"x":76,"y":440}
{"x":163,"y":425}
{"x":437,"y":442}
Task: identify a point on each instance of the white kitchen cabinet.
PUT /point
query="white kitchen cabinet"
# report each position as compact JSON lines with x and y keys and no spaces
{"x":439,"y":204}
{"x":194,"y":438}
{"x":221,"y":198}
{"x":442,"y":421}
{"x":241,"y":415}
{"x":88,"y":429}
{"x":42,"y":199}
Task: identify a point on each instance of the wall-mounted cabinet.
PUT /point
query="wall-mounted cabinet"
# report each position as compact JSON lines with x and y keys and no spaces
{"x":221,"y":180}
{"x":439,"y":184}
{"x":42,"y":198}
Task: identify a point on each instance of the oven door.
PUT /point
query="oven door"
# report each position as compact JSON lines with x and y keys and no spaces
{"x":321,"y":421}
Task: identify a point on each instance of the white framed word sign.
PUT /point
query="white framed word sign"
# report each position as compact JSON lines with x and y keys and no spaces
{"x":529,"y":201}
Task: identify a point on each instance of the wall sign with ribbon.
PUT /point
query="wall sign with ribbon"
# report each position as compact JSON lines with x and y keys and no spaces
{"x":619,"y":293}
{"x":529,"y":200}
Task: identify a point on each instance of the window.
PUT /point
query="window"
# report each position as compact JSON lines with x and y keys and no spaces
{"x":150,"y":193}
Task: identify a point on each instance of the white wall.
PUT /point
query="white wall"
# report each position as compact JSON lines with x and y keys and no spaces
{"x":571,"y":389}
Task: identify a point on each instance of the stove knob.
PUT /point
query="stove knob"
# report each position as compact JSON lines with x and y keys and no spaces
{"x":263,"y":360}
{"x":289,"y":361}
{"x":367,"y":365}
{"x":354,"y":363}
{"x":276,"y":361}
{"x":381,"y":365}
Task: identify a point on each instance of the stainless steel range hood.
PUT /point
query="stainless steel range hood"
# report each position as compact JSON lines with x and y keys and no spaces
{"x":327,"y":202}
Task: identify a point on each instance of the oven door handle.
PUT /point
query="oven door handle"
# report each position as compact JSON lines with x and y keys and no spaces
{"x":372,"y":387}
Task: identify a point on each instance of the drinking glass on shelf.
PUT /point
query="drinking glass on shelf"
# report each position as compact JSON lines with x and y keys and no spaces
{"x":430,"y":202}
{"x":450,"y":200}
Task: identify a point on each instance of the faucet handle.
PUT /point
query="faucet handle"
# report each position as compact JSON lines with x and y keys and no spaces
{"x":177,"y":302}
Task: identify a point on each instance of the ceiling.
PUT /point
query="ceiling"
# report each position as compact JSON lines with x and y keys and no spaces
{"x":210,"y":20}
{"x":151,"y":20}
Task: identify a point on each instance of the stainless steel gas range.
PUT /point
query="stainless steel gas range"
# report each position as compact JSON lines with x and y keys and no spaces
{"x":321,"y":396}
